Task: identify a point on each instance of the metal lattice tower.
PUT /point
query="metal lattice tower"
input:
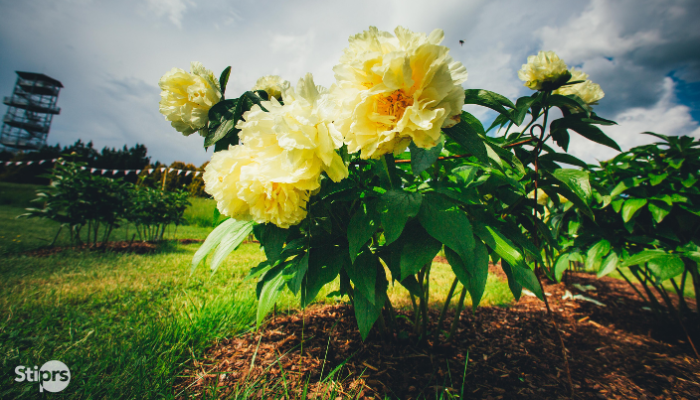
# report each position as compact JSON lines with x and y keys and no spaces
{"x":31,"y":109}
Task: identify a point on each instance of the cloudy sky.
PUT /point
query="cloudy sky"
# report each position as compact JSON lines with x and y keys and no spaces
{"x":109,"y":55}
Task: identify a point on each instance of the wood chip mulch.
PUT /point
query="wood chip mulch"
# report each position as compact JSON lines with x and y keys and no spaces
{"x":619,"y":351}
{"x":123,"y":246}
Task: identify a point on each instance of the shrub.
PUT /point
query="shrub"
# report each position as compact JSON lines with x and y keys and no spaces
{"x":152,"y":210}
{"x":77,"y":199}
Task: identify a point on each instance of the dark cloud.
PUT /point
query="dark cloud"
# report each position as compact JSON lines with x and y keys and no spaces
{"x":110,"y":55}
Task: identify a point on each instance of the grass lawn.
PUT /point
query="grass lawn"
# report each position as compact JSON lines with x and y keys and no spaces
{"x":126,"y":324}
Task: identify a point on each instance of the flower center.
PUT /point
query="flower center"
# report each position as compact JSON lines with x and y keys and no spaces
{"x":394,"y":104}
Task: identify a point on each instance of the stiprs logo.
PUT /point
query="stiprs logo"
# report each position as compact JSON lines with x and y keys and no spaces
{"x":53,"y":376}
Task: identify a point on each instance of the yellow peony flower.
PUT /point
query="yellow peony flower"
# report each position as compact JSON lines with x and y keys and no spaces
{"x":272,"y":174}
{"x":273,"y":85}
{"x":300,"y":128}
{"x":587,"y":91}
{"x":391,"y":89}
{"x":542,"y":70}
{"x":236,"y":179}
{"x":186,"y":97}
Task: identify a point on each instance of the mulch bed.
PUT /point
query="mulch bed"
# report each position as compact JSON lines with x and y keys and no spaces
{"x":123,"y":246}
{"x":619,"y":351}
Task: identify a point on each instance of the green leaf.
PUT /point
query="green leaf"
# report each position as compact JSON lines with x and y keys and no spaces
{"x":630,"y":207}
{"x":223,"y":79}
{"x":213,"y":240}
{"x":230,"y":242}
{"x":508,"y":156}
{"x":561,"y":265}
{"x":596,"y":253}
{"x":577,"y":181}
{"x":626,"y":184}
{"x":222,"y":121}
{"x":472,"y":272}
{"x":422,"y":159}
{"x":269,"y":293}
{"x":447,"y":223}
{"x":466,"y":136}
{"x":418,"y":248}
{"x":411,"y":284}
{"x":566,"y":103}
{"x":396,"y":207}
{"x":386,"y":171}
{"x":656,"y":179}
{"x":324,"y":265}
{"x":617,"y":204}
{"x":666,"y":267}
{"x":464,"y":174}
{"x":362,"y":226}
{"x":689,"y":181}
{"x":564,"y":158}
{"x":500,"y":244}
{"x":642,"y":257}
{"x":576,"y":187}
{"x":363,"y":273}
{"x":500,"y":120}
{"x":584,"y":129}
{"x":473,"y":122}
{"x":297,"y":269}
{"x":367,"y":310}
{"x":659,"y":210}
{"x":515,"y":287}
{"x":488,"y":99}
{"x":272,"y":239}
{"x":608,"y":265}
{"x":522,"y":105}
{"x":560,"y":135}
{"x":526,"y":278}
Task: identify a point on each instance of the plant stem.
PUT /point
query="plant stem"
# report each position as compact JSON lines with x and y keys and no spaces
{"x":424,"y":301}
{"x":444,"y":308}
{"x":684,"y":309}
{"x":633,"y":286}
{"x":56,"y":237}
{"x":538,"y":268}
{"x":695,"y":277}
{"x":458,"y":313}
{"x":635,"y":270}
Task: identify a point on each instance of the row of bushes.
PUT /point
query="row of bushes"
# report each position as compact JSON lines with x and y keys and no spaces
{"x":134,"y":159}
{"x":83,"y":203}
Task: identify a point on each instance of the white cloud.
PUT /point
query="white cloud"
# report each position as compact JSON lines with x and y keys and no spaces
{"x":665,"y":117}
{"x":596,"y":32}
{"x":173,"y":9}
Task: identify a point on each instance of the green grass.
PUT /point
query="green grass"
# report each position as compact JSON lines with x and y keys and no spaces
{"x":17,"y":195}
{"x":201,"y":212}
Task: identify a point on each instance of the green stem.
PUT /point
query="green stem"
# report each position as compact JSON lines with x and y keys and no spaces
{"x":56,"y":237}
{"x":633,"y":286}
{"x":636,"y":271}
{"x":681,"y":299}
{"x":695,"y":277}
{"x":458,"y":312}
{"x":445,"y":307}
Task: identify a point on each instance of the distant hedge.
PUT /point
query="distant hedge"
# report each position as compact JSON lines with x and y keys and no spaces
{"x":133,"y":158}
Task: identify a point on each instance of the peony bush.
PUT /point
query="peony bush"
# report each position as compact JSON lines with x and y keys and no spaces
{"x":367,"y":180}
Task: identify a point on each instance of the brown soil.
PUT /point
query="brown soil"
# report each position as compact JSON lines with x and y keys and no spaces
{"x":123,"y":246}
{"x":619,"y":351}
